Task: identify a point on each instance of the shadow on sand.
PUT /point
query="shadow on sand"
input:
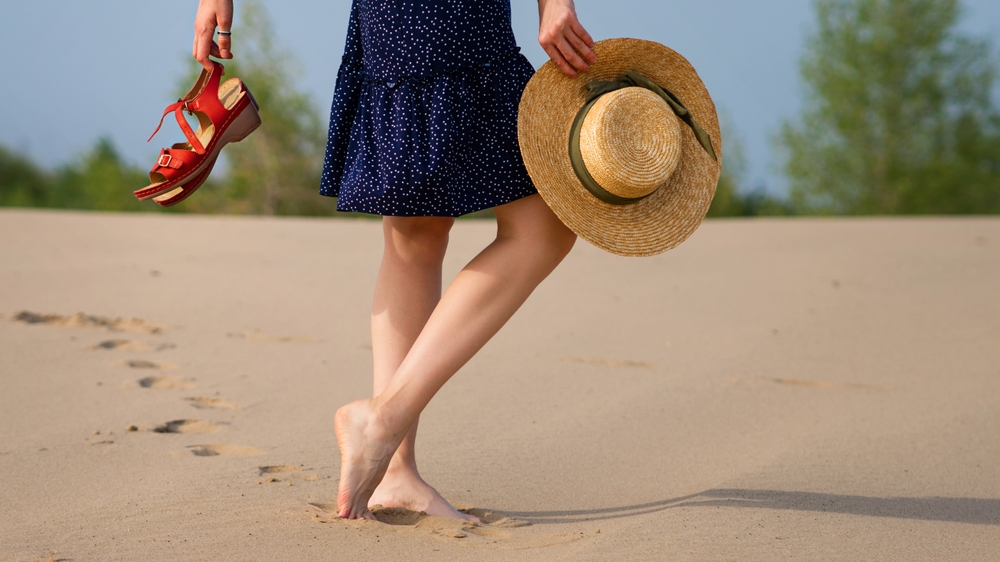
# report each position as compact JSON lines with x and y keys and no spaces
{"x":955,"y":510}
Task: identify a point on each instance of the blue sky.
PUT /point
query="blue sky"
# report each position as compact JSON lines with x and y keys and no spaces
{"x":71,"y":71}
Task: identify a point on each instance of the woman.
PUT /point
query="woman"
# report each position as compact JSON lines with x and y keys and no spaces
{"x":423,"y":130}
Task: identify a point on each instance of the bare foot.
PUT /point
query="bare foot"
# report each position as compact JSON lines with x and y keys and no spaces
{"x":365,"y":451}
{"x":406,"y":489}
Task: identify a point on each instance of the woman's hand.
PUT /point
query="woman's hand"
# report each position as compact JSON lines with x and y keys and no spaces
{"x":212,"y":14}
{"x":566,"y":41}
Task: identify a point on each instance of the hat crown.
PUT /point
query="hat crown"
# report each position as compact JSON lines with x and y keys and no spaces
{"x":631,"y":142}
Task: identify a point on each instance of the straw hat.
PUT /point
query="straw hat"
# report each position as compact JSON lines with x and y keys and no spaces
{"x":643,"y":180}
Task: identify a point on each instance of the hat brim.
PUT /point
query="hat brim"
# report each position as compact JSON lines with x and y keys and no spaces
{"x":655,"y":224}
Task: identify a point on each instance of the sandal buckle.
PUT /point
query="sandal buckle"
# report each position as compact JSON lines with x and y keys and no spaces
{"x":164,"y":160}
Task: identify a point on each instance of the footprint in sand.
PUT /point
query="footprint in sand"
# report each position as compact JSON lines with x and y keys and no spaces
{"x":824,"y":384}
{"x":277,"y":469}
{"x":123,"y":345}
{"x":257,"y":335}
{"x":203,"y":403}
{"x":164,"y":383}
{"x":129,"y":345}
{"x":189,"y":426}
{"x":611,"y":362}
{"x":288,"y":470}
{"x":147,"y":364}
{"x":90,"y":321}
{"x":223,"y":450}
{"x":496,"y":530}
{"x":495,"y":519}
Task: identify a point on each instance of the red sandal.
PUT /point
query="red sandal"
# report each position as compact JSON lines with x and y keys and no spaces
{"x":225,"y":114}
{"x":178,"y":194}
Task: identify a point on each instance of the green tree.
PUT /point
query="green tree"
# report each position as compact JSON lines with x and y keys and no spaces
{"x":22,"y":182}
{"x":726,"y":202}
{"x":899,"y":115}
{"x":100,"y":180}
{"x":276,"y":170}
{"x":731,"y":196}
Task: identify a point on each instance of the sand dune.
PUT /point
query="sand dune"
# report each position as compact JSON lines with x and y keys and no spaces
{"x":822,"y":389}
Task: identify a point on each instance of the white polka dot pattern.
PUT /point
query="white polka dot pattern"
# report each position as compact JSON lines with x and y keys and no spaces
{"x":424,"y":116}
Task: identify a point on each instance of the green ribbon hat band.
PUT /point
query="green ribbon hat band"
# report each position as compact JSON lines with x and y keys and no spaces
{"x":597,"y":89}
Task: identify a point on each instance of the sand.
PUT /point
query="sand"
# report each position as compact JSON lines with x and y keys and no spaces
{"x":822,"y":389}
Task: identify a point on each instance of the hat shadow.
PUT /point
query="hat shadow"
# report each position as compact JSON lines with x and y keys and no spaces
{"x":976,"y":511}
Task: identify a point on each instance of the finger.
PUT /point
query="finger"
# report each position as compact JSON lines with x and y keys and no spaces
{"x":571,"y":55}
{"x":203,"y":46}
{"x":580,"y":47}
{"x":582,"y":33}
{"x":583,"y":42}
{"x":556,"y":57}
{"x":201,"y":52}
{"x":224,"y":46}
{"x":225,"y":23}
{"x":559,"y":61}
{"x":194,"y":46}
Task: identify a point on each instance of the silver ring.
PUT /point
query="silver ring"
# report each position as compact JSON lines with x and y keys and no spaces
{"x":224,"y":33}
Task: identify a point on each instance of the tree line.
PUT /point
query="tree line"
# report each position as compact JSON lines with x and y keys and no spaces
{"x":900,"y":116}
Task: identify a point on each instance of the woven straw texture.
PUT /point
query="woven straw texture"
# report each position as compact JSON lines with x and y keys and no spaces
{"x":645,"y":152}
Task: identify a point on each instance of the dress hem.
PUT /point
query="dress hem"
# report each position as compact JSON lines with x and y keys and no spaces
{"x":464,"y":212}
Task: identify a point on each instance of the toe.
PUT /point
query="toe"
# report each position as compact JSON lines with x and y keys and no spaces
{"x":344,"y":505}
{"x":466,"y":516}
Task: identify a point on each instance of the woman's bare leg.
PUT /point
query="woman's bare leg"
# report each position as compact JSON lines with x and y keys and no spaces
{"x":530,"y":243}
{"x":406,"y":292}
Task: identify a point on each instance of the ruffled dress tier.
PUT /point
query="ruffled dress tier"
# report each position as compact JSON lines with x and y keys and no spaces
{"x":424,"y":116}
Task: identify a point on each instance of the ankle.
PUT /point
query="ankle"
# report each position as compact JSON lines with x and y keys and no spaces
{"x":401,"y":471}
{"x":388,"y":422}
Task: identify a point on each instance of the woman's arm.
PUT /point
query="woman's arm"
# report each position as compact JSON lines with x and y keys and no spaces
{"x":212,"y":14}
{"x":563,"y":38}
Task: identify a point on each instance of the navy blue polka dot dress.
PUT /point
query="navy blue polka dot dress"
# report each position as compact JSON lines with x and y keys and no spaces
{"x":424,"y":117}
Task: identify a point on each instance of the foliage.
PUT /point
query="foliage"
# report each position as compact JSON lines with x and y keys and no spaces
{"x":100,"y":180}
{"x":899,"y":115}
{"x":22,"y":183}
{"x":731,"y":199}
{"x":96,"y":181}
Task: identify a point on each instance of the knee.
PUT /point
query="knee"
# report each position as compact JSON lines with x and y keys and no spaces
{"x":418,"y":239}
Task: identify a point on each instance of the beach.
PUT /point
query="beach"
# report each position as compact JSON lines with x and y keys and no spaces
{"x":800,"y":389}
